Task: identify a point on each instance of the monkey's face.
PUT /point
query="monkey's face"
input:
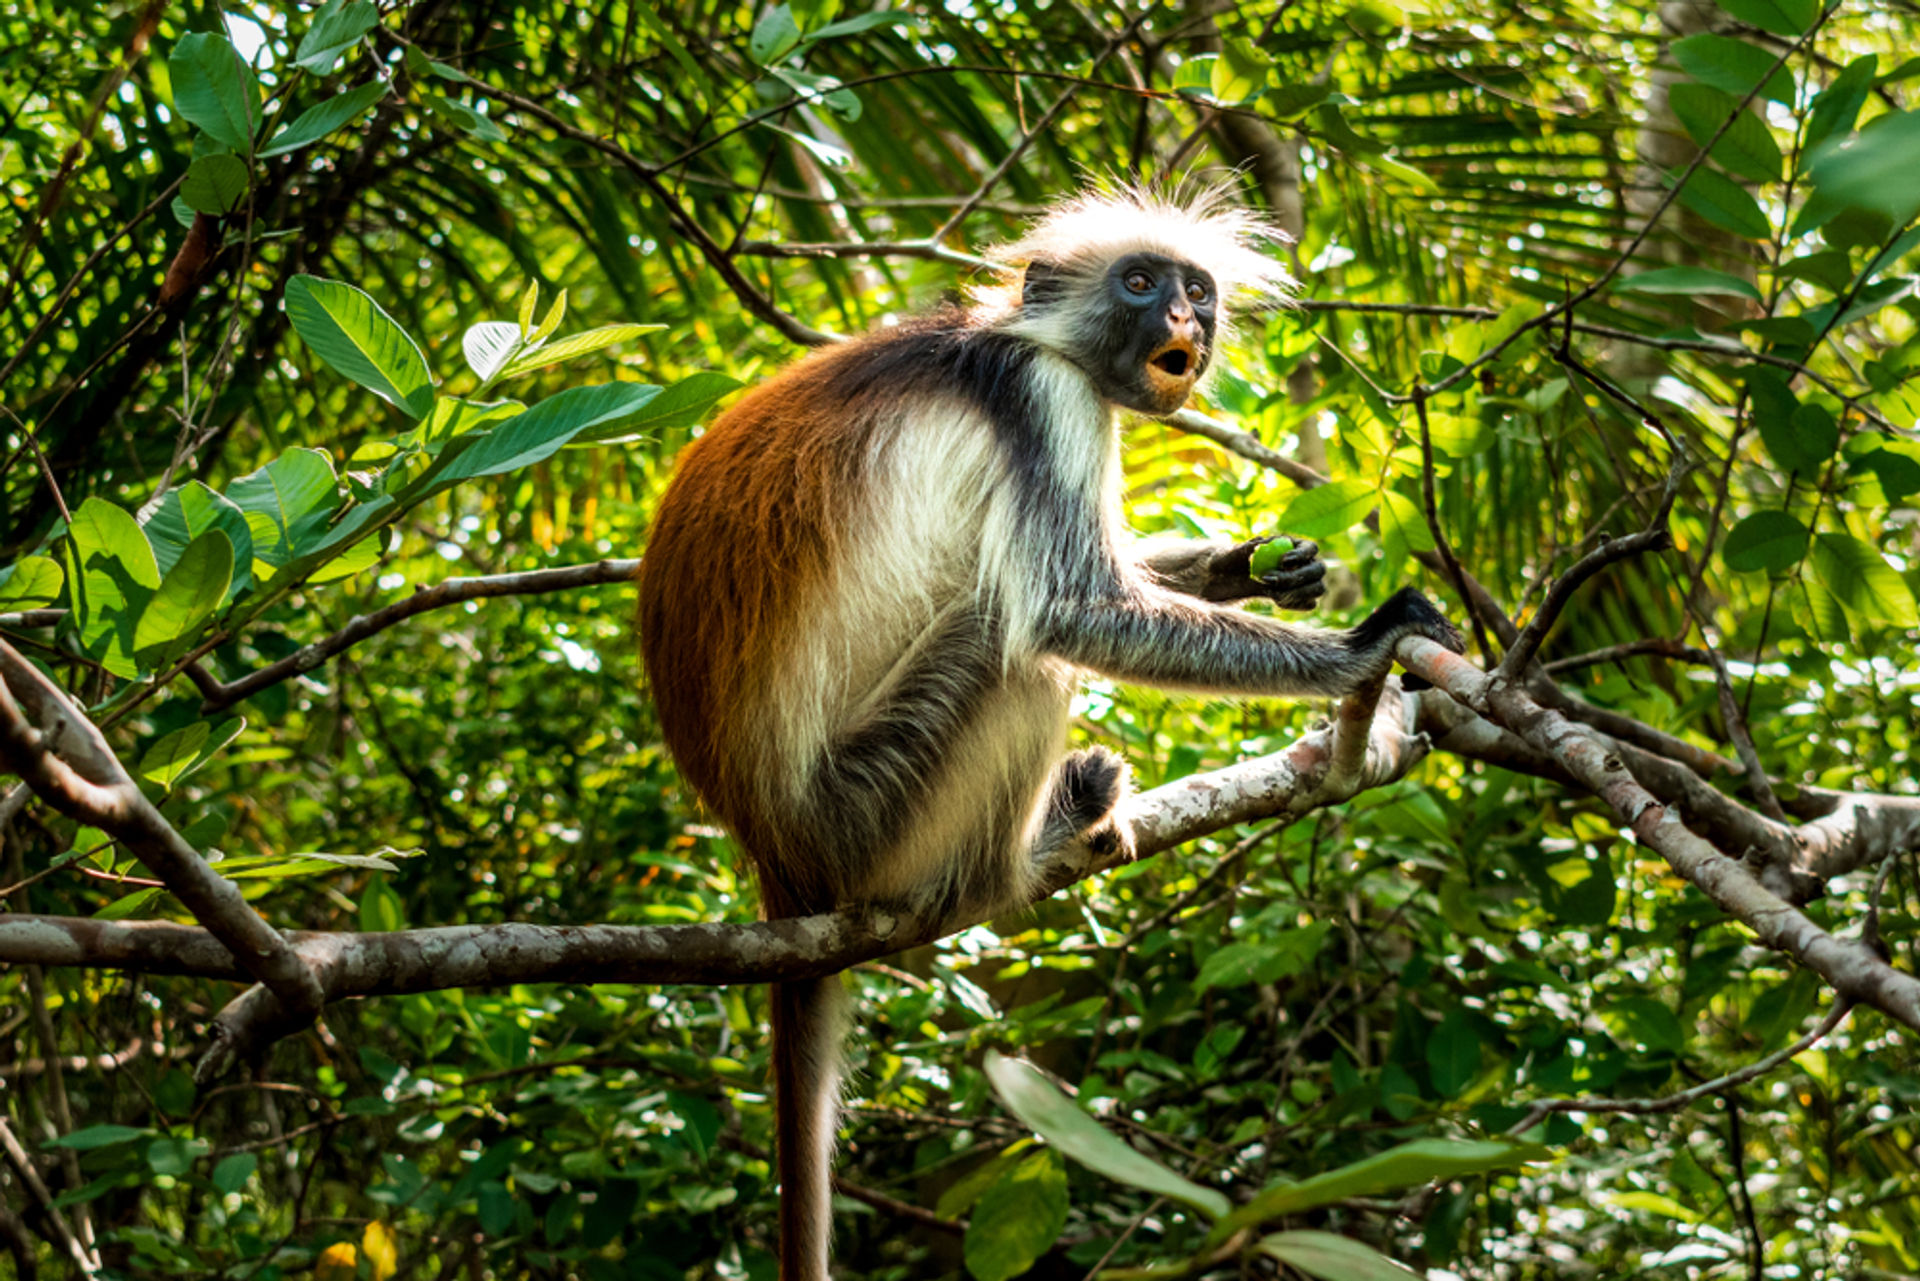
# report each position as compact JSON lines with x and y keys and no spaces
{"x":1156,"y":334}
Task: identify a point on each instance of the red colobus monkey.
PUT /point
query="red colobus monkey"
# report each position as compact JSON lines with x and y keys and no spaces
{"x":873,"y":583}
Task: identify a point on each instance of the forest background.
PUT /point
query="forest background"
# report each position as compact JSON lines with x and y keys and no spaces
{"x":345,"y":350}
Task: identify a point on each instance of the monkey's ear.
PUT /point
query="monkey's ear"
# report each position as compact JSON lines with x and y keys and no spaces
{"x":1042,"y":284}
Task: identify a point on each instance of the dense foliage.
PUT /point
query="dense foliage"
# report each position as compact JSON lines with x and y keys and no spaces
{"x":306,"y":308}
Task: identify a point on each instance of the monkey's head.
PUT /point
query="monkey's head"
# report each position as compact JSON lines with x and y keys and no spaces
{"x":1132,"y":287}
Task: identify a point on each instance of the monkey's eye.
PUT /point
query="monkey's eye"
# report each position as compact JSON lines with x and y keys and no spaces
{"x":1139,"y":282}
{"x":1197,"y":291}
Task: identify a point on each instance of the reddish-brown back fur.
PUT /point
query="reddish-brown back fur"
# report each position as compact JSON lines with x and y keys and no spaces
{"x":743,"y":538}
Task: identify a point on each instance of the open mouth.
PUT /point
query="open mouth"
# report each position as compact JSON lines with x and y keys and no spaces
{"x":1173,"y":361}
{"x":1172,"y":370}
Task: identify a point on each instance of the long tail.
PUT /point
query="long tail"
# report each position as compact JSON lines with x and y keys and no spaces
{"x":809,"y":1024}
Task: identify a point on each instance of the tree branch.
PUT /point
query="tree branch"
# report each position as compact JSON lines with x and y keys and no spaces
{"x":1850,"y":968}
{"x":67,"y":763}
{"x":219,"y":695}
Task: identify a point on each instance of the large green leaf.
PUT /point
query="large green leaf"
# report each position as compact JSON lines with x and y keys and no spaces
{"x":1421,"y":1161}
{"x":1332,"y":1257}
{"x":539,"y":433}
{"x":214,"y":88}
{"x":1017,"y":1219}
{"x":32,"y":582}
{"x":1836,"y":107}
{"x":1771,"y":540}
{"x":1734,"y":65}
{"x":112,"y":570}
{"x":1726,"y":204}
{"x":1781,"y":17}
{"x":1688,"y":282}
{"x":1053,"y":1116}
{"x":215,"y":184}
{"x":317,"y":122}
{"x":185,"y":513}
{"x":1862,"y":581}
{"x":1330,"y":509}
{"x":681,"y":405}
{"x":186,"y":598}
{"x":1747,"y":149}
{"x":287,"y":502}
{"x":1875,"y":171}
{"x":347,"y":329}
{"x":336,"y":27}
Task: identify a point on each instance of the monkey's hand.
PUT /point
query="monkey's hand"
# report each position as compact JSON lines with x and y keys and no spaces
{"x":1296,"y":580}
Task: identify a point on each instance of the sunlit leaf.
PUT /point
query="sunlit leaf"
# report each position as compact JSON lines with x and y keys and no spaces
{"x":214,"y":88}
{"x":347,"y":328}
{"x":1050,"y":1114}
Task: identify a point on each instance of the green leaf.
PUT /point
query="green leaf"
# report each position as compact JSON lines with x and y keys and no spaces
{"x":128,"y":905}
{"x":1239,"y":73}
{"x":1017,"y":1219}
{"x":1645,"y":1024}
{"x":1195,"y":75}
{"x":380,"y":908}
{"x":1453,"y":1054}
{"x":97,"y":1136}
{"x":1773,"y":541}
{"x":1781,"y":17}
{"x":214,"y":88}
{"x":573,"y":346}
{"x":215,"y":184}
{"x":347,"y":329}
{"x":1896,"y":465}
{"x":1050,"y":1114}
{"x":1747,"y":149}
{"x":1726,"y":204}
{"x":173,"y":1156}
{"x":1287,"y":101}
{"x":1332,"y":1257}
{"x":1330,"y":509}
{"x":233,"y":1172}
{"x":287,"y":503}
{"x":465,"y":118}
{"x":1819,"y":612}
{"x":663,"y":34}
{"x":1837,"y":106}
{"x":187,"y":597}
{"x":1421,"y":1161}
{"x":774,"y":36}
{"x":863,"y":22}
{"x":1862,"y":581}
{"x":555,"y":314}
{"x":168,"y":760}
{"x":112,"y":566}
{"x":538,"y":434}
{"x":489,"y":345}
{"x":1876,"y":170}
{"x":317,"y":122}
{"x":1733,"y":65}
{"x":33,"y":582}
{"x":189,"y":511}
{"x":1688,"y":282}
{"x":336,"y":28}
{"x":681,"y":405}
{"x":359,"y":556}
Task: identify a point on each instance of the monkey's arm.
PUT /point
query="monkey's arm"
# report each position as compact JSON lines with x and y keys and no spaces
{"x":1144,"y":634}
{"x":1222,"y":572}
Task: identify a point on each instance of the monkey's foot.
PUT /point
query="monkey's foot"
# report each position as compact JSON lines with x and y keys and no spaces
{"x":1091,"y":783}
